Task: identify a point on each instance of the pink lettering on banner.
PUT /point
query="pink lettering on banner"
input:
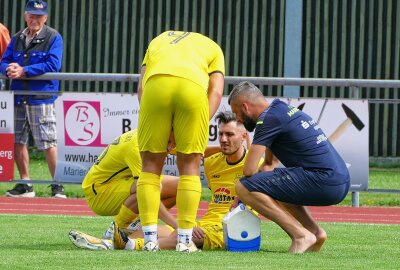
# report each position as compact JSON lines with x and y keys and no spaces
{"x":6,"y":156}
{"x":82,"y":124}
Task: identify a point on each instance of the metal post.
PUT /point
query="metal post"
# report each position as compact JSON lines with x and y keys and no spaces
{"x":293,"y":31}
{"x":355,"y":195}
{"x":355,"y":199}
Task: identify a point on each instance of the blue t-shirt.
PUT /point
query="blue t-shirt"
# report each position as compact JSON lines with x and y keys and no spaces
{"x":297,"y":141}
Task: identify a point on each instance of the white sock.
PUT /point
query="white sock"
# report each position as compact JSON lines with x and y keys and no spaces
{"x":150,"y":233}
{"x":185,"y":236}
{"x":27,"y":179}
{"x":130,"y":245}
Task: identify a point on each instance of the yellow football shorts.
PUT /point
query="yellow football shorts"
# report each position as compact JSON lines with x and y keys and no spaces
{"x":167,"y":102}
{"x":106,"y":199}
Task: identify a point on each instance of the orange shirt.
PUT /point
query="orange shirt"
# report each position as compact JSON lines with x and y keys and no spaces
{"x":4,"y":39}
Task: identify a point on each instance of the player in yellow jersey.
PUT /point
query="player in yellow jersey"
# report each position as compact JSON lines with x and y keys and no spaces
{"x":110,"y":189}
{"x":222,"y":170}
{"x":179,"y":90}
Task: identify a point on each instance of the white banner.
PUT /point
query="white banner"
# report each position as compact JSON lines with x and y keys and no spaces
{"x":87,"y":122}
{"x":6,"y":112}
{"x":346,"y":124}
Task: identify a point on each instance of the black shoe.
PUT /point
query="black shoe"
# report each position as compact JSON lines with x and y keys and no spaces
{"x":21,"y":191}
{"x":57,"y":191}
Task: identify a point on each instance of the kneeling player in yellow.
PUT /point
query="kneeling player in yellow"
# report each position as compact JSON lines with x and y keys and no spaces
{"x":222,"y":170}
{"x":110,"y":189}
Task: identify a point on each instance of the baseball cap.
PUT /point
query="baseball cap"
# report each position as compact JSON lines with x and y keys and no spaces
{"x":37,"y":7}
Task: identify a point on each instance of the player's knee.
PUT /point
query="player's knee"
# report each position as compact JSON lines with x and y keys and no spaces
{"x":169,"y":185}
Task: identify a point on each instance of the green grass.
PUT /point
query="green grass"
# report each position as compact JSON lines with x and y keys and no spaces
{"x":380,"y":179}
{"x":386,"y":178}
{"x":41,"y":242}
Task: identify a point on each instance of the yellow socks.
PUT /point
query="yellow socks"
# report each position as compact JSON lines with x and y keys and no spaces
{"x":148,"y":197}
{"x":125,"y":217}
{"x":187,"y":200}
{"x":135,"y":244}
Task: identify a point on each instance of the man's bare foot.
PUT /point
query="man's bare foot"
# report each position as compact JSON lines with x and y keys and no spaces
{"x":300,"y":245}
{"x":321,"y":238}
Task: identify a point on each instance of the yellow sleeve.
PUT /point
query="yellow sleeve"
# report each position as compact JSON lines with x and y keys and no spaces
{"x":132,"y":154}
{"x":218,"y":63}
{"x":145,"y":58}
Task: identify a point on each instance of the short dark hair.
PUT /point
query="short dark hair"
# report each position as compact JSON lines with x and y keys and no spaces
{"x":225,"y":117}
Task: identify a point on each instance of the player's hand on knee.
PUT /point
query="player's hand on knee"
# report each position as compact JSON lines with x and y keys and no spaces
{"x":198,"y":233}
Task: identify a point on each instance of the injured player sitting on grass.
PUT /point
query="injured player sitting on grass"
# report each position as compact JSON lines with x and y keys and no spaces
{"x":222,"y":169}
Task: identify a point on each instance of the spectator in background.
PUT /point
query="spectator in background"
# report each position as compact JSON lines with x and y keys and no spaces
{"x":4,"y":40}
{"x":34,"y":51}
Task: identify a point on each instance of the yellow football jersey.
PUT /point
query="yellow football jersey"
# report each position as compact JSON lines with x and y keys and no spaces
{"x":222,"y":178}
{"x":189,"y":55}
{"x":120,"y":159}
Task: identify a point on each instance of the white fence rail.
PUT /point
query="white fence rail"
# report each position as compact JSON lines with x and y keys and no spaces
{"x":114,"y":77}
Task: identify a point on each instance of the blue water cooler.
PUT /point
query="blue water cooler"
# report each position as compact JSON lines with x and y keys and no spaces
{"x":242,"y":230}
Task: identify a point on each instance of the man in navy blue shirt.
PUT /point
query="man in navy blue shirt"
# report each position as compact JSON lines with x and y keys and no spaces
{"x":313,"y":173}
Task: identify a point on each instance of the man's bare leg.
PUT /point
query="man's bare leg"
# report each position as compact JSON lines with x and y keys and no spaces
{"x":51,"y":158}
{"x":303,"y":216}
{"x":302,"y":239}
{"x":169,"y":242}
{"x":162,"y":230}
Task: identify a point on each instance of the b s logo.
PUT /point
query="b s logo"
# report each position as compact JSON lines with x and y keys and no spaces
{"x":82,"y":123}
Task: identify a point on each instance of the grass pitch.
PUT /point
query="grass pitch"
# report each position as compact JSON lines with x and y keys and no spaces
{"x":41,"y":242}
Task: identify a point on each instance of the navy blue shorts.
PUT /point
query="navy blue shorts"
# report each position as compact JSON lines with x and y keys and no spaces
{"x":297,"y":186}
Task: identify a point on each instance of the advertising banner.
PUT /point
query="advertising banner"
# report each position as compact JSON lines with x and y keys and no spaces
{"x":6,"y":156}
{"x":345,"y":122}
{"x":87,"y":122}
{"x":6,"y":112}
{"x":6,"y":136}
